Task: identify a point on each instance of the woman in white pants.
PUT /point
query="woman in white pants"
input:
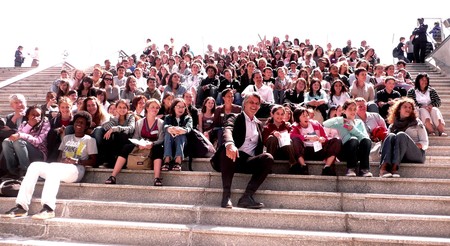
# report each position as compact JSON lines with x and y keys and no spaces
{"x":77,"y":150}
{"x":428,"y":101}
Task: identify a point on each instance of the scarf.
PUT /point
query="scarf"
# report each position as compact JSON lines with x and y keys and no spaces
{"x":400,"y":125}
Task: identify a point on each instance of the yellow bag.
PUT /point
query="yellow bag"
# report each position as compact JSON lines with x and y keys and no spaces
{"x":139,"y":159}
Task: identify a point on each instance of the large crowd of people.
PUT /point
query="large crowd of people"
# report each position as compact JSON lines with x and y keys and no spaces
{"x":276,"y":99}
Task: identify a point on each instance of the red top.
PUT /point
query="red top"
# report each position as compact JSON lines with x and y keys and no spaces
{"x":150,"y":133}
{"x":270,"y":127}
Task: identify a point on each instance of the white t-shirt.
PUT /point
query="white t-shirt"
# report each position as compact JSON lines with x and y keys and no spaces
{"x":423,"y":98}
{"x":78,"y":148}
{"x":308,"y":131}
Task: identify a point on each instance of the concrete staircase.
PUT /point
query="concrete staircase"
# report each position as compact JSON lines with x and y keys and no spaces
{"x":34,"y":87}
{"x":300,"y":210}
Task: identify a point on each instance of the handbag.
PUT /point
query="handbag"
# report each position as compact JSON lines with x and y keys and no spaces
{"x":139,"y":159}
{"x":199,"y":146}
{"x":9,"y":187}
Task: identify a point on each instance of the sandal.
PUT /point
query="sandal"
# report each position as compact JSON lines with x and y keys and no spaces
{"x":157,"y":182}
{"x":165,"y":167}
{"x":176,"y":167}
{"x":111,"y":180}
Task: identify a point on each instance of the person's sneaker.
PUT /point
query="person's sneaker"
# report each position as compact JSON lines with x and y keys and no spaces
{"x":16,"y":211}
{"x":328,"y":171}
{"x":395,"y":171}
{"x":384,"y":171}
{"x":45,"y":213}
{"x":366,"y":173}
{"x":351,"y":172}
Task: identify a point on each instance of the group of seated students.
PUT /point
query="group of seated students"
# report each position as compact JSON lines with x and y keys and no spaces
{"x":335,"y":110}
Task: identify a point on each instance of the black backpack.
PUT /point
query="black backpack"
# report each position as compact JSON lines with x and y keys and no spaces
{"x":9,"y":187}
{"x":395,"y":52}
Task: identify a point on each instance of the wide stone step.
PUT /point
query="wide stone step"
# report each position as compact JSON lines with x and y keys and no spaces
{"x":275,"y":182}
{"x":274,"y":200}
{"x":36,"y":242}
{"x":142,"y":233}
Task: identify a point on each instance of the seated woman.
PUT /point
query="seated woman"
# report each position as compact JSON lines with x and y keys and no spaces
{"x":364,"y":89}
{"x":174,"y":85}
{"x":57,"y":128}
{"x":317,"y":98}
{"x":176,"y":127}
{"x":272,"y":135}
{"x":296,"y":95}
{"x":28,"y":144}
{"x":101,"y":96}
{"x":312,"y":143}
{"x":356,"y":141}
{"x":99,"y":117}
{"x":86,"y":88}
{"x":150,"y":128}
{"x":206,"y":118}
{"x":166,"y":103}
{"x":131,"y":90}
{"x":338,"y":93}
{"x":428,"y":101}
{"x":138,"y":105}
{"x":77,"y":150}
{"x":117,"y":132}
{"x":112,"y":91}
{"x":13,"y":120}
{"x":223,"y":111}
{"x":407,"y":139}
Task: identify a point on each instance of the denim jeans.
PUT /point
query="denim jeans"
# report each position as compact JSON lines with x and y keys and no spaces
{"x":400,"y":147}
{"x":178,"y":142}
{"x":19,"y":154}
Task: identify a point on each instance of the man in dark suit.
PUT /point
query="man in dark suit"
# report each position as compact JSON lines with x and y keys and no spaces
{"x":243,"y":153}
{"x":420,"y":41}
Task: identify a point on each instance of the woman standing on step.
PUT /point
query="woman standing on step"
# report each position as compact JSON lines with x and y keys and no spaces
{"x":427,"y":99}
{"x":407,"y":139}
{"x":150,"y":128}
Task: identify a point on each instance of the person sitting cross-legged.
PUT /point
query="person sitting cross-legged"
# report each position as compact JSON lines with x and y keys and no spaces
{"x":77,"y":150}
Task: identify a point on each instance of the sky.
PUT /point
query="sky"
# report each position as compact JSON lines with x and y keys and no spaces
{"x":92,"y":31}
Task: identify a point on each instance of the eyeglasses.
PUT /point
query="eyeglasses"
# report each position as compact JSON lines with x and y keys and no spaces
{"x":110,"y":79}
{"x":180,"y":107}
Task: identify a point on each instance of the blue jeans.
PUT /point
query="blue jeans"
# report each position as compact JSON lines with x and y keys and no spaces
{"x":19,"y":154}
{"x":178,"y":142}
{"x":400,"y":147}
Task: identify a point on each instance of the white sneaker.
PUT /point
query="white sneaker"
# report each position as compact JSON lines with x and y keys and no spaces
{"x":366,"y":173}
{"x":45,"y":213}
{"x":351,"y":172}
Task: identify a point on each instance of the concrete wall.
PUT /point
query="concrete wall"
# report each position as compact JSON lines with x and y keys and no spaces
{"x":440,"y":58}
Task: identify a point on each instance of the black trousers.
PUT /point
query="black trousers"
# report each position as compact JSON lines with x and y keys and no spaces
{"x":419,"y":52}
{"x":259,"y":166}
